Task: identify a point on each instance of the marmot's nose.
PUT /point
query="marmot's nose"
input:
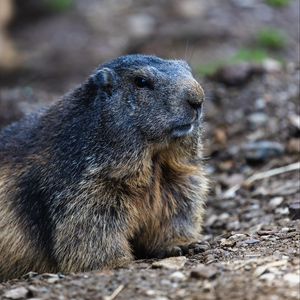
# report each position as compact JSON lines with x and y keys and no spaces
{"x":195,"y":102}
{"x":195,"y":96}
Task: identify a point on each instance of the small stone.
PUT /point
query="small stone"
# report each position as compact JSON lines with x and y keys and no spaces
{"x":294,"y":210}
{"x":251,"y":241}
{"x":17,"y":293}
{"x":282,"y":210}
{"x":260,"y":103}
{"x":150,"y":292}
{"x":257,"y":119}
{"x":237,"y":74}
{"x":247,"y":268}
{"x":204,"y":272}
{"x":292,"y":278}
{"x":178,"y":276}
{"x":294,"y":145}
{"x":170,"y":263}
{"x":30,"y":275}
{"x":271,"y":65}
{"x":51,"y":278}
{"x":285,"y":229}
{"x":276,"y":201}
{"x":295,"y":121}
{"x":238,"y":237}
{"x":257,"y":152}
{"x":227,"y":243}
{"x":267,"y":277}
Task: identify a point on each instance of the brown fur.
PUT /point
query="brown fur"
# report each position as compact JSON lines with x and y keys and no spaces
{"x":73,"y":211}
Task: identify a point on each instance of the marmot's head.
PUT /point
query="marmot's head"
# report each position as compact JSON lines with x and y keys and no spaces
{"x":156,"y":99}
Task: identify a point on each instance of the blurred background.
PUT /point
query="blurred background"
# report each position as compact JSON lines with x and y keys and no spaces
{"x":244,"y":52}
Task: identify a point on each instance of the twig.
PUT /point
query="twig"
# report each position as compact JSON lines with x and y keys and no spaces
{"x":116,"y":292}
{"x":258,"y":176}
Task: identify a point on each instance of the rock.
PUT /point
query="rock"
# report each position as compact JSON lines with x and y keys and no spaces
{"x":237,"y":74}
{"x":52,"y":278}
{"x":178,"y":276}
{"x":271,"y":65}
{"x":292,"y":278}
{"x":220,"y":136}
{"x":175,"y":263}
{"x":294,"y":210}
{"x":294,"y":145}
{"x":151,"y":292}
{"x":267,"y":277}
{"x":294,"y":121}
{"x":204,"y":272}
{"x":232,"y":180}
{"x":276,"y":201}
{"x":251,"y":241}
{"x":261,"y":151}
{"x":30,"y":275}
{"x":17,"y":293}
{"x":282,"y":210}
{"x":237,"y":237}
{"x":227,"y":243}
{"x":257,"y":119}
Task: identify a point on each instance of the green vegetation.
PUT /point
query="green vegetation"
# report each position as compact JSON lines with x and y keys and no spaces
{"x":250,"y":55}
{"x":271,"y":38}
{"x":243,"y":55}
{"x":278,"y":3}
{"x":58,"y":5}
{"x":267,"y":40}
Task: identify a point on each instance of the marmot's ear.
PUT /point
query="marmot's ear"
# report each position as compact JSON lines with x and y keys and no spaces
{"x":105,"y":79}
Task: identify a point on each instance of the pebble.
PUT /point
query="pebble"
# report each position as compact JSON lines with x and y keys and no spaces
{"x":295,"y":121}
{"x":170,"y":263}
{"x":267,"y":277}
{"x":276,"y":201}
{"x":292,"y":278}
{"x":227,"y":243}
{"x":251,"y":241}
{"x":238,"y":237}
{"x":237,"y":74}
{"x":178,"y":276}
{"x":282,"y":210}
{"x":262,"y":151}
{"x":271,"y":65}
{"x":150,"y":292}
{"x":294,"y":145}
{"x":258,"y":119}
{"x":204,"y":272}
{"x":294,"y":210}
{"x":17,"y":293}
{"x":51,"y":278}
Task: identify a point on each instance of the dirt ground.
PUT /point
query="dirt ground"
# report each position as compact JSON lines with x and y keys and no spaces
{"x":251,"y":236}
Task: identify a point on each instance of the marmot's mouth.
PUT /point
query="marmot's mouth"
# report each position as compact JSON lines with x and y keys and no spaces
{"x":182,"y":130}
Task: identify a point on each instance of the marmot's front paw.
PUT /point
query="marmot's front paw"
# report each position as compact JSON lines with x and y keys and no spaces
{"x":190,"y":249}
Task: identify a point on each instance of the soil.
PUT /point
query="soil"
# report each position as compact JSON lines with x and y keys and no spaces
{"x":251,"y":236}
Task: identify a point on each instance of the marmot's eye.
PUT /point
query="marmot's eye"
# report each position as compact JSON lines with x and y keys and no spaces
{"x":142,"y":82}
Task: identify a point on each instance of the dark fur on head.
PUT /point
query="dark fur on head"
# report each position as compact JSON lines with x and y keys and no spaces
{"x":110,"y":171}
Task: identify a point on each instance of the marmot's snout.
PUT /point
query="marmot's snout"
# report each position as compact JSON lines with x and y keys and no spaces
{"x":192,"y":97}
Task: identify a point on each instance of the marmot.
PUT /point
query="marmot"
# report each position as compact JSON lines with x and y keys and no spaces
{"x":110,"y":172}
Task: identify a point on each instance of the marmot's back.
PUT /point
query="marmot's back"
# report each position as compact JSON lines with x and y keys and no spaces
{"x":109,"y":172}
